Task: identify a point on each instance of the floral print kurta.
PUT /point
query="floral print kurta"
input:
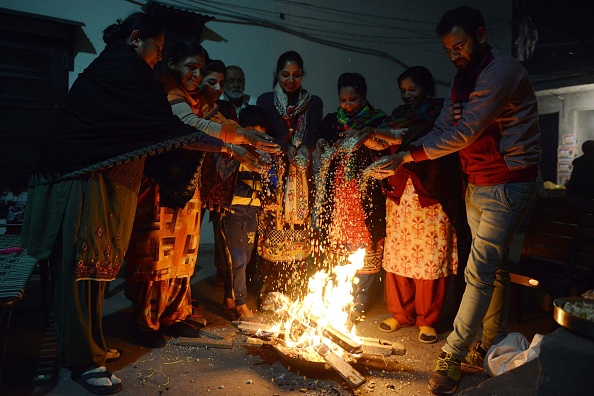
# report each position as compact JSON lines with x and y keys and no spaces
{"x":421,"y":242}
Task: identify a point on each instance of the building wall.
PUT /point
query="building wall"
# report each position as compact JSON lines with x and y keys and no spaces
{"x":403,"y":30}
{"x":256,"y":48}
{"x":575,"y":106}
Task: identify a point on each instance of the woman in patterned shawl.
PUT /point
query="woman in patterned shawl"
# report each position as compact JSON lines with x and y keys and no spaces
{"x":81,"y":204}
{"x":425,"y":216}
{"x":295,"y":116}
{"x":351,"y":213}
{"x":164,"y":244}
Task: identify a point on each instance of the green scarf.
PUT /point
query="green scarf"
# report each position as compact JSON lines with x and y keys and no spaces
{"x":365,"y":117}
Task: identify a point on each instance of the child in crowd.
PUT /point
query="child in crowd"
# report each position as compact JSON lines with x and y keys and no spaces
{"x":240,"y":223}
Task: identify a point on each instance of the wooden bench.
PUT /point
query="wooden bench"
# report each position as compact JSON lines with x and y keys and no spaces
{"x":558,"y":251}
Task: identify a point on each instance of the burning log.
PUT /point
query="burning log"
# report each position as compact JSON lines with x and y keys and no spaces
{"x":252,"y":327}
{"x":261,"y":333}
{"x":349,"y":374}
{"x":344,"y":369}
{"x":317,"y":328}
{"x":338,"y":337}
{"x":343,"y":340}
{"x":376,"y":346}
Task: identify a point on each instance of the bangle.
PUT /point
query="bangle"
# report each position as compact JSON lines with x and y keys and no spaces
{"x":231,"y":152}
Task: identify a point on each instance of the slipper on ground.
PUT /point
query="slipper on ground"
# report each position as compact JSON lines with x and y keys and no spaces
{"x":99,"y":381}
{"x":113,"y":355}
{"x":427,"y":334}
{"x":389,"y":325}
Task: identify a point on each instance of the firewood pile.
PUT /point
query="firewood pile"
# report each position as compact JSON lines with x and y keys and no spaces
{"x":335,"y":347}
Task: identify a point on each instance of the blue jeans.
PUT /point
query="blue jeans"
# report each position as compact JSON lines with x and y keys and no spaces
{"x":239,"y":229}
{"x":494,"y":215}
{"x":221,"y":261}
{"x":361,"y":291}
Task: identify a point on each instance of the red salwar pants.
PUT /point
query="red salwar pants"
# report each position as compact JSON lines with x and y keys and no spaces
{"x":415,"y":301}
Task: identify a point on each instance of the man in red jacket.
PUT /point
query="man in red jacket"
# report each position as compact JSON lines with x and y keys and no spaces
{"x":490,"y":117}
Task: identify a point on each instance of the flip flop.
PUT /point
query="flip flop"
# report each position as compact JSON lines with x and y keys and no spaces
{"x":113,"y":355}
{"x":427,"y":335}
{"x":389,"y":325}
{"x":86,"y":381}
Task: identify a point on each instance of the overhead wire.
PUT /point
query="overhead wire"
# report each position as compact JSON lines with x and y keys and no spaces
{"x":355,"y":15}
{"x":306,"y":36}
{"x":357,"y":18}
{"x":312,"y":33}
{"x":208,"y":7}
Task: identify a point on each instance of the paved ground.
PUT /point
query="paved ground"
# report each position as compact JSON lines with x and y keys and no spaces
{"x":30,"y":365}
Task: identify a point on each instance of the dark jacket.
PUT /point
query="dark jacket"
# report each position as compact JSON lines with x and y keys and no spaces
{"x":115,"y":112}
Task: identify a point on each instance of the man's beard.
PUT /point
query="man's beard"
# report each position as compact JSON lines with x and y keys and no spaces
{"x":234,"y":94}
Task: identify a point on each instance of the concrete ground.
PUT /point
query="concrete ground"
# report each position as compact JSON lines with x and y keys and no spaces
{"x":31,"y":367}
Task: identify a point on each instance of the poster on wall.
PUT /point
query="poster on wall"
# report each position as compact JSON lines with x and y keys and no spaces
{"x":564,"y":165}
{"x":567,"y":151}
{"x":569,"y":139}
{"x":563,"y":178}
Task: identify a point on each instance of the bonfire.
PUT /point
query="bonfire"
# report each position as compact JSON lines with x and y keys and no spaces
{"x":317,"y":327}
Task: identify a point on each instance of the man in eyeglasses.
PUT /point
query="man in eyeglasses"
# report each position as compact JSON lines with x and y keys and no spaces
{"x":490,"y":117}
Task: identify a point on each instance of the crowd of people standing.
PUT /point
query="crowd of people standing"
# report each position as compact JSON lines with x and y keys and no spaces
{"x":133,"y":163}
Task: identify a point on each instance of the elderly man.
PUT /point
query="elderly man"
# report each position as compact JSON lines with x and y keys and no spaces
{"x":234,"y":93}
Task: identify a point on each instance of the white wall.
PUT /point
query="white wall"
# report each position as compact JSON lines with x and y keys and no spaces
{"x":256,"y":48}
{"x":401,"y":28}
{"x":575,"y":106}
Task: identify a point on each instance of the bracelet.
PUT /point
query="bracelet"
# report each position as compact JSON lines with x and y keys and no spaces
{"x":231,"y":152}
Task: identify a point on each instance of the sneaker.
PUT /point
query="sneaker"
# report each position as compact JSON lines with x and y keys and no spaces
{"x":476,"y":356}
{"x":446,"y":375}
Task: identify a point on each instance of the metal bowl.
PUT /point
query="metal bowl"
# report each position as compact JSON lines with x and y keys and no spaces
{"x":577,"y":325}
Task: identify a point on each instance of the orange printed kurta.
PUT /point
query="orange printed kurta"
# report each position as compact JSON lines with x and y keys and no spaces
{"x":421,"y":243}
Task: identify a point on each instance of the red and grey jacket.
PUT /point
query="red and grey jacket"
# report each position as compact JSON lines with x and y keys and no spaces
{"x":490,"y":116}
